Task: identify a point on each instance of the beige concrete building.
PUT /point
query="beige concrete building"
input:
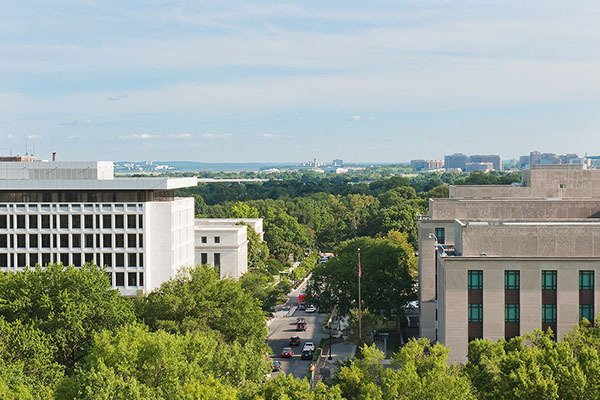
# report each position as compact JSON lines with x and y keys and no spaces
{"x":499,"y":261}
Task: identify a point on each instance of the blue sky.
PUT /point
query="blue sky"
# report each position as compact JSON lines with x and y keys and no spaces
{"x":252,"y":81}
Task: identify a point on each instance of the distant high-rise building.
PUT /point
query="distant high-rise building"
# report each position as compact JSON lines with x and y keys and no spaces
{"x":523,"y":161}
{"x":495,"y":159}
{"x":419,"y":165}
{"x":479,"y":166}
{"x":456,"y":160}
{"x":338,"y":163}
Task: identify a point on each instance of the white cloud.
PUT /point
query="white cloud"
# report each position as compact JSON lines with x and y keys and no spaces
{"x":77,"y":122}
{"x":180,"y":135}
{"x":268,"y":135}
{"x":33,"y":136}
{"x":355,"y":118}
{"x":117,"y":97}
{"x":217,"y":135}
{"x":10,"y":136}
{"x":139,"y":136}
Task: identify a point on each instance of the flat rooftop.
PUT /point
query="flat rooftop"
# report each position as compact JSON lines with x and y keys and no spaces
{"x":96,"y":184}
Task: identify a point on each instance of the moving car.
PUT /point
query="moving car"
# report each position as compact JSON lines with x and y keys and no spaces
{"x":309,"y":346}
{"x":307,"y":355}
{"x":276,"y":366}
{"x":295,"y":341}
{"x":301,"y":325}
{"x":287,"y":352}
{"x":311,"y":309}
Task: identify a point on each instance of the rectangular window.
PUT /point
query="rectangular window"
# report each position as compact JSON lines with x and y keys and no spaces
{"x":141,"y":222}
{"x":64,"y":241}
{"x":76,"y":241}
{"x":107,"y":240}
{"x":46,"y":241}
{"x":141,"y":241}
{"x":106,"y":221}
{"x":475,"y":312}
{"x":33,"y":222}
{"x":512,"y":280}
{"x":77,"y":259}
{"x":33,"y":241}
{"x":217,"y":239}
{"x":131,"y":277}
{"x":204,"y":239}
{"x":89,"y":222}
{"x":586,"y":311}
{"x":440,"y":235}
{"x":119,"y":240}
{"x":120,"y":278}
{"x":120,"y":260}
{"x":119,"y":221}
{"x":45,"y":222}
{"x":64,"y":222}
{"x":76,"y":221}
{"x":107,"y":259}
{"x":20,"y":222}
{"x":21,"y":241}
{"x":89,"y":258}
{"x":475,"y":280}
{"x":586,"y":280}
{"x":549,"y":313}
{"x":64,"y":258}
{"x":3,"y":224}
{"x":132,"y":260}
{"x":89,"y":240}
{"x":46,"y":259}
{"x":21,"y":260}
{"x":217,"y":259}
{"x":511,"y":313}
{"x":3,"y":260}
{"x":33,"y":259}
{"x":141,"y":275}
{"x":131,"y":222}
{"x":3,"y":241}
{"x":141,"y":259}
{"x":548,"y":280}
{"x":131,"y":240}
{"x":203,"y":258}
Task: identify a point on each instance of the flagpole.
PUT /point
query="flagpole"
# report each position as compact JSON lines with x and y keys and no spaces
{"x":359,"y":302}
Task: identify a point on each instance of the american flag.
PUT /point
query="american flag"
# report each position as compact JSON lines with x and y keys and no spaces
{"x":359,"y":270}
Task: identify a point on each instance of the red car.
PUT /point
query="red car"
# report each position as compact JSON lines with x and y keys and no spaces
{"x":295,"y":341}
{"x":287,"y":352}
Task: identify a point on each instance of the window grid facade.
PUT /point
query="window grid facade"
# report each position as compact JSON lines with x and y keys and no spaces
{"x":512,"y":313}
{"x":475,"y":312}
{"x":475,"y":280}
{"x":74,"y":234}
{"x":512,"y":280}
{"x":586,"y":280}
{"x":548,"y":280}
{"x":549,"y":313}
{"x":586,"y":311}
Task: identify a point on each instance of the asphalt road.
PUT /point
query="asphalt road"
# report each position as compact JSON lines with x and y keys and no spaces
{"x":283,"y":327}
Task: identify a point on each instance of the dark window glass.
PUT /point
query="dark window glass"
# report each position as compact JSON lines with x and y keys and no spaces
{"x":3,"y":224}
{"x":21,"y":260}
{"x":3,"y":241}
{"x":3,"y":260}
{"x":120,"y":278}
{"x":107,"y":240}
{"x":45,"y":258}
{"x":203,"y":258}
{"x":45,"y":241}
{"x":89,"y":257}
{"x":548,"y":280}
{"x":475,"y":280}
{"x":141,"y":276}
{"x":76,"y":221}
{"x":64,"y":222}
{"x":217,"y":239}
{"x":586,"y":280}
{"x":131,"y":278}
{"x":45,"y":222}
{"x":20,"y":222}
{"x":77,"y":241}
{"x":131,"y":240}
{"x":64,"y":240}
{"x":512,"y":279}
{"x":106,"y":222}
{"x":586,"y":311}
{"x":440,"y":235}
{"x":204,"y":239}
{"x":21,"y":241}
{"x":475,"y":312}
{"x":77,"y":259}
{"x":120,"y":260}
{"x":89,"y":240}
{"x":132,"y":260}
{"x":141,"y":221}
{"x":141,"y":259}
{"x":118,"y":221}
{"x":217,"y":259}
{"x":119,"y":240}
{"x":64,"y":258}
{"x":511,"y":313}
{"x":549,"y":313}
{"x":33,"y":240}
{"x":33,"y":259}
{"x":97,"y":222}
{"x":141,"y":241}
{"x":107,"y":259}
{"x":89,"y":221}
{"x":33,"y":222}
{"x":131,"y":221}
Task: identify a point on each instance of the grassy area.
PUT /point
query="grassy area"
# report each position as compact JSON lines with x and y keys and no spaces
{"x":319,"y":349}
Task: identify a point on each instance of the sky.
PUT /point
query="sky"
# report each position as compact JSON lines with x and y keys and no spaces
{"x":278,"y":81}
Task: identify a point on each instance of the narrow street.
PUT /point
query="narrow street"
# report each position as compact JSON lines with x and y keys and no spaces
{"x":284,"y":326}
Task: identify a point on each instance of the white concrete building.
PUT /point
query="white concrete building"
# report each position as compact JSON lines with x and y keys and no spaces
{"x":76,"y":212}
{"x":224,"y":244}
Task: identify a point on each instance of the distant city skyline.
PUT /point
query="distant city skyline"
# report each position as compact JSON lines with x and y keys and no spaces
{"x":271,"y":82}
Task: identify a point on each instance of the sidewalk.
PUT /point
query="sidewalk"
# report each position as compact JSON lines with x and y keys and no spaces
{"x":326,"y":368}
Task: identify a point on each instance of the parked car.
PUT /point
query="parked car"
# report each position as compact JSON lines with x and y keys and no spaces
{"x":301,"y":325}
{"x":276,"y":366}
{"x":302,"y":306}
{"x":287,"y":352}
{"x":309,"y":346}
{"x":295,"y":341}
{"x":311,"y":309}
{"x":307,"y":355}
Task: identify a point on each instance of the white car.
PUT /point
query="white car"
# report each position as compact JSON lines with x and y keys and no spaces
{"x":311,"y":309}
{"x":309,"y":346}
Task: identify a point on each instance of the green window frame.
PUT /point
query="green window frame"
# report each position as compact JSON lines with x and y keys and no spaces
{"x":586,"y":311}
{"x":475,"y":279}
{"x":548,"y":280}
{"x":475,"y":312}
{"x":549,"y":313}
{"x":512,"y":280}
{"x":586,"y":280}
{"x":440,"y":235}
{"x":512,"y":313}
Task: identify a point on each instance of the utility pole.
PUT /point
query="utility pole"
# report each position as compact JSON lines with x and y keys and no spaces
{"x":359,"y":301}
